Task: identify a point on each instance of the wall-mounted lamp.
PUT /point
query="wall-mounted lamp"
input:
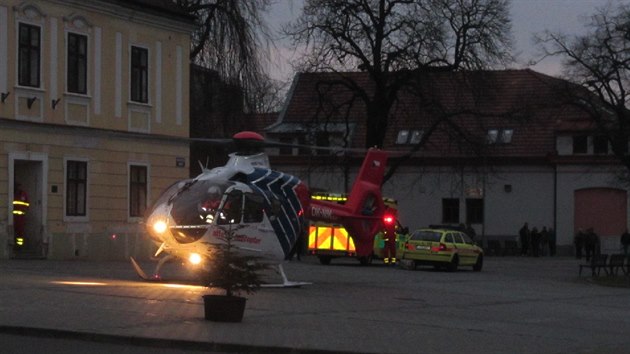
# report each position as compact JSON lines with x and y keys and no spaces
{"x":4,"y":95}
{"x":55,"y":103}
{"x":30,"y":101}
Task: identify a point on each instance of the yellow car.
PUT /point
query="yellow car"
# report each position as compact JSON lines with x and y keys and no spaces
{"x":440,"y":248}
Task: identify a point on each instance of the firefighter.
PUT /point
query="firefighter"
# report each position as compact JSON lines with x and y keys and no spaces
{"x":389,"y":236}
{"x":20,"y":208}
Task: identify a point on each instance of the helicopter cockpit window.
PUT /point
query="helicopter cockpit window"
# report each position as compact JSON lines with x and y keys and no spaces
{"x":209,"y":206}
{"x":253,"y":209}
{"x":232,"y":209}
{"x":195,"y":207}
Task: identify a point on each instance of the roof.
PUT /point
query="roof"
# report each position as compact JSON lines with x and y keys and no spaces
{"x":525,"y":101}
{"x":165,"y":8}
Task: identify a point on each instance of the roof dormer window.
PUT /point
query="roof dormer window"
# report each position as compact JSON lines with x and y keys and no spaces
{"x":403,"y":136}
{"x":406,"y":136}
{"x":499,"y":136}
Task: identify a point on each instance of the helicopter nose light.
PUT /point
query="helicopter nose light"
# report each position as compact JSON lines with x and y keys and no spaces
{"x":160,"y":226}
{"x":194,"y":258}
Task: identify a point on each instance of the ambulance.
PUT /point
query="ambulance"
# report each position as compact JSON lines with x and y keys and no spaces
{"x":328,"y":241}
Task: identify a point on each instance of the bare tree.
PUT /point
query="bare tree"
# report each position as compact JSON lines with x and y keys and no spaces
{"x":598,"y":63}
{"x":392,"y":39}
{"x":232,"y":39}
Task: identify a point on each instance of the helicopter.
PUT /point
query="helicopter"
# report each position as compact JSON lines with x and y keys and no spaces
{"x":269,"y":210}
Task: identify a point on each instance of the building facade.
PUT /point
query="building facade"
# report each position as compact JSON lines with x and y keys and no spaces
{"x":504,"y":149}
{"x":94,"y":121}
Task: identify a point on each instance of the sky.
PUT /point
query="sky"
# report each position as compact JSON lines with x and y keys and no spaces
{"x":528,"y":17}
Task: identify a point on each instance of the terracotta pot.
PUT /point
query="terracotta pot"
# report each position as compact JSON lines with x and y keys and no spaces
{"x":222,"y":308}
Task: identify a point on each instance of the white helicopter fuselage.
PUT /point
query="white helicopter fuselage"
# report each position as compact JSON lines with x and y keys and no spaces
{"x":260,"y":206}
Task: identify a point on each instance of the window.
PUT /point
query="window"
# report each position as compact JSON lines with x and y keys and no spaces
{"x":474,"y":211}
{"x":580,"y":144}
{"x":450,"y":210}
{"x":303,"y":141}
{"x":409,"y":136}
{"x":402,"y":137}
{"x":77,"y":63}
{"x":286,"y":150}
{"x":76,"y":187}
{"x":493,"y":135}
{"x":139,"y":75}
{"x":29,"y":55}
{"x":506,"y":135}
{"x":232,"y":209}
{"x":137,"y":190}
{"x":253,"y":210}
{"x":322,"y":139}
{"x":600,"y":144}
{"x":416,"y":136}
{"x":499,"y":136}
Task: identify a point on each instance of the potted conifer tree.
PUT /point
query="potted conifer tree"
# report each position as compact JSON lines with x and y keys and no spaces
{"x":235,"y":274}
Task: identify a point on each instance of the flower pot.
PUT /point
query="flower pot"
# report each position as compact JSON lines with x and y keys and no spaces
{"x":222,"y":308}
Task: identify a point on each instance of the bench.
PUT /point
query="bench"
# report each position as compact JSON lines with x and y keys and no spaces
{"x":597,"y":263}
{"x":511,"y":248}
{"x":493,"y":248}
{"x":617,"y":261}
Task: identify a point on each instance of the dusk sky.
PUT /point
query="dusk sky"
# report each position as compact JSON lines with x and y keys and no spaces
{"x":528,"y":17}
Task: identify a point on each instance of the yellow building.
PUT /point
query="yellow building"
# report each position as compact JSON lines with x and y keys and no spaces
{"x":94,"y":122}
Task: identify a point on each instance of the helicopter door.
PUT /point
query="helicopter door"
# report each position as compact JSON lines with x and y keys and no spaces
{"x":232,"y":209}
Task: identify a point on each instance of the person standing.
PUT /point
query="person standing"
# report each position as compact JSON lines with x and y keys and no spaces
{"x":544,"y":241}
{"x":590,"y":243}
{"x":389,"y":236}
{"x":625,"y":242}
{"x":470,"y":231}
{"x":20,"y":208}
{"x":535,"y":237}
{"x":552,"y":241}
{"x":578,"y":241}
{"x":524,"y":236}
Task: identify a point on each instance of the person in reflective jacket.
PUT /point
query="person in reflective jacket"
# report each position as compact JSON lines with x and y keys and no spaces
{"x":20,"y":208}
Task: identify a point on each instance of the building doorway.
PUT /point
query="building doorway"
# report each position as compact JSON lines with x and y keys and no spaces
{"x":603,"y":209}
{"x":29,"y":174}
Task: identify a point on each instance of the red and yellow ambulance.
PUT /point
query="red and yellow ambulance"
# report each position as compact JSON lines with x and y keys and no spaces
{"x":328,"y":241}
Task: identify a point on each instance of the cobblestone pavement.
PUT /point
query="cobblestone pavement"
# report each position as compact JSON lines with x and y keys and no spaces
{"x":515,"y":305}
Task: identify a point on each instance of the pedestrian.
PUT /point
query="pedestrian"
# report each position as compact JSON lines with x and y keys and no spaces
{"x":20,"y":208}
{"x":297,"y":248}
{"x":524,"y":236}
{"x":552,"y":242}
{"x":389,"y":236}
{"x":590,"y":243}
{"x":625,"y":242}
{"x":578,"y":241}
{"x":535,"y":238}
{"x":544,"y":240}
{"x":470,"y":231}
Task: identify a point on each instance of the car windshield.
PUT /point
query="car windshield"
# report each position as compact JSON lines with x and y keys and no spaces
{"x":424,"y":235}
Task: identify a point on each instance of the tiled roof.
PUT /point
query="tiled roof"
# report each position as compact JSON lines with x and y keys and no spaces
{"x":523,"y":100}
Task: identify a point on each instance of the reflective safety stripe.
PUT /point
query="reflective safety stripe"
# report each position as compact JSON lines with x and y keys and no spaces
{"x":18,"y":212}
{"x":19,"y":202}
{"x":19,"y":241}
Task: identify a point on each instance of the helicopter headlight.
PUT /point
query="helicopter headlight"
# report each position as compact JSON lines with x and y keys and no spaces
{"x":194,"y":258}
{"x":160,"y":226}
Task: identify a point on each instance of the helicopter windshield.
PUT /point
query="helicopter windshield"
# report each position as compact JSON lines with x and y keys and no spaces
{"x":196,"y":207}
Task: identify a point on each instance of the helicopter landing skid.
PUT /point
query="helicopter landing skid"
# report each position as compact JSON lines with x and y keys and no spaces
{"x":143,"y":275}
{"x":286,"y":283}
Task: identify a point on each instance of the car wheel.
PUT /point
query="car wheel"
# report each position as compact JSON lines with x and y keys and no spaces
{"x":452,"y":267}
{"x":325,"y":260}
{"x":366,"y":260}
{"x":408,"y":264}
{"x":479,"y":264}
